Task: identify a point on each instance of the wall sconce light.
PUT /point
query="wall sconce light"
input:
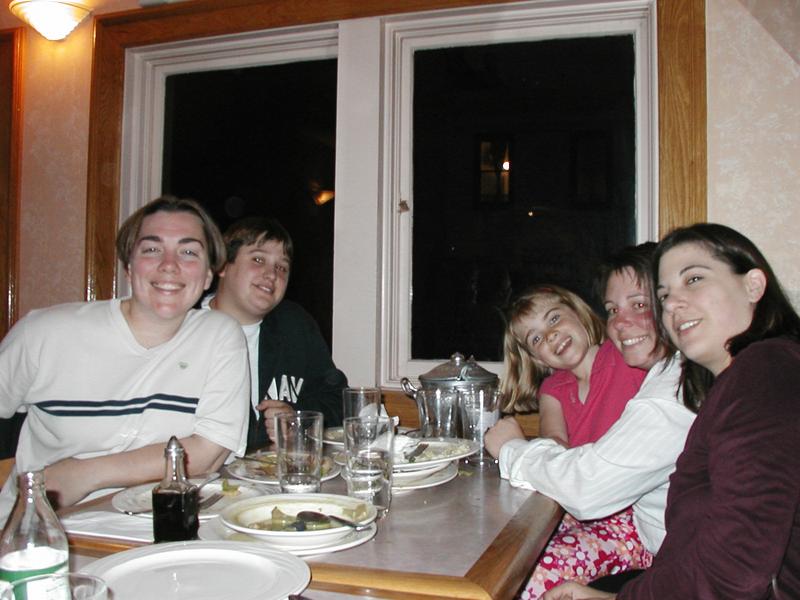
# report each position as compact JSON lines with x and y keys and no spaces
{"x":54,"y":19}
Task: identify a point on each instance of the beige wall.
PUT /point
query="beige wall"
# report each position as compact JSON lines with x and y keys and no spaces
{"x":753,"y":136}
{"x":754,"y":126}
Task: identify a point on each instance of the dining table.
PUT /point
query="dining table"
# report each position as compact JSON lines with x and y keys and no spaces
{"x":475,"y":536}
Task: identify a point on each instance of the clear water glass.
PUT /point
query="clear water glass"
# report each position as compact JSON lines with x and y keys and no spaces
{"x":60,"y":586}
{"x":369,"y":456}
{"x":361,"y":402}
{"x":299,"y":451}
{"x":480,"y":410}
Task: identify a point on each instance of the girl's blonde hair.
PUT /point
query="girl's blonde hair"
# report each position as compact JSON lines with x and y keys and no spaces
{"x":524,"y":373}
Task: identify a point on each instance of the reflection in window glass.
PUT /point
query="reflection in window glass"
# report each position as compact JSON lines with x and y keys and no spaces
{"x":524,"y":173}
{"x":261,"y":141}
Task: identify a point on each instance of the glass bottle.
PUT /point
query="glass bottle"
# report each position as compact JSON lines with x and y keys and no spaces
{"x":33,"y":541}
{"x":175,"y":499}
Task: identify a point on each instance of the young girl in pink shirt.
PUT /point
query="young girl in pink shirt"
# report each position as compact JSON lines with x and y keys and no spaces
{"x":557,"y":359}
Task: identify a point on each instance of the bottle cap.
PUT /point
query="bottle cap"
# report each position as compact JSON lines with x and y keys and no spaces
{"x":173,"y":447}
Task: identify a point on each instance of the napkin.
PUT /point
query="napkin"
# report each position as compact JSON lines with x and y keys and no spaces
{"x":107,"y":524}
{"x":402,"y":445}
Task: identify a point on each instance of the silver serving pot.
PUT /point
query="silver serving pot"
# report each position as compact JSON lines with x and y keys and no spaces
{"x":457,"y":374}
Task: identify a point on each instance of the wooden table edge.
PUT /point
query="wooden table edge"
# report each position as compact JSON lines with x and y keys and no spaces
{"x":527,"y":533}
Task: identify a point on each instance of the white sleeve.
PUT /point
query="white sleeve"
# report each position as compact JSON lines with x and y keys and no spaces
{"x":17,"y":370}
{"x":634,"y":457}
{"x":222,"y":413}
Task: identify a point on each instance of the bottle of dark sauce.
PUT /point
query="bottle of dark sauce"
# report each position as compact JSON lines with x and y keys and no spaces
{"x":175,"y":499}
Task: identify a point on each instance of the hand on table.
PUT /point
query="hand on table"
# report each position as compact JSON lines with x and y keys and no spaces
{"x":575,"y":591}
{"x":271,"y":409}
{"x":505,"y":430}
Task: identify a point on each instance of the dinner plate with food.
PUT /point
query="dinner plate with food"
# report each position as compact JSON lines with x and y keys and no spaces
{"x":262,"y":467}
{"x":306,"y":521}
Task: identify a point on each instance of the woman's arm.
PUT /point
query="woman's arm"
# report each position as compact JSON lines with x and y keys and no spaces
{"x":551,"y":420}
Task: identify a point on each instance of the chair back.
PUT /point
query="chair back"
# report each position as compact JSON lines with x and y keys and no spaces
{"x":6,"y":465}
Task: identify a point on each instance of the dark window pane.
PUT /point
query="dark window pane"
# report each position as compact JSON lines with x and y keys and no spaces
{"x":524,"y":173}
{"x":261,"y":141}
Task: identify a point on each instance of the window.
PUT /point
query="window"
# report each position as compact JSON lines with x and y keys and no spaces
{"x":543,"y":201}
{"x":478,"y":37}
{"x":260,"y":141}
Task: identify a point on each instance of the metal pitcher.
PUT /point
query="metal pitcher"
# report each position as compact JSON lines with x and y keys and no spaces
{"x":447,"y":379}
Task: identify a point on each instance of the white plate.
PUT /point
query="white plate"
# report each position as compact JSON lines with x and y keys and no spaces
{"x":242,"y":516}
{"x":248,"y":470}
{"x":449,"y":473}
{"x":215,"y":529}
{"x":335,"y":435}
{"x":140,"y":497}
{"x":439,"y":451}
{"x":410,"y":475}
{"x":200,"y":570}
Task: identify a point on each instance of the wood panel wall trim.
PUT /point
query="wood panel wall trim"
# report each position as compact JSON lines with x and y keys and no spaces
{"x":682,"y":113}
{"x":681,"y":39}
{"x":11,"y":48}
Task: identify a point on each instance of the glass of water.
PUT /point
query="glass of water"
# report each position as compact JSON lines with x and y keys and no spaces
{"x":369,"y":455}
{"x":299,"y":451}
{"x":480,"y":410}
{"x":60,"y":586}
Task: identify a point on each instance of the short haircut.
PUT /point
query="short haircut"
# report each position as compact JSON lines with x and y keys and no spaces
{"x":129,"y":232}
{"x":256,"y":230}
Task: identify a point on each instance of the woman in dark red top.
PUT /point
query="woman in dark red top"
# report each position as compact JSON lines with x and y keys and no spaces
{"x":733,"y":510}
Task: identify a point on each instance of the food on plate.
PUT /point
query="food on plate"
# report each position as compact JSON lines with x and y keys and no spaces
{"x":268,"y":464}
{"x":281,"y":521}
{"x":228,"y":489}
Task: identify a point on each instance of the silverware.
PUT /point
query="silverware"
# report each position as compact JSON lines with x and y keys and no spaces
{"x":419,"y":449}
{"x":210,"y":501}
{"x":318,"y":517}
{"x":139,"y":511}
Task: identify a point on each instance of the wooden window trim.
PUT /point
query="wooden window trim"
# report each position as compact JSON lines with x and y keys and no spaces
{"x":681,"y":93}
{"x":10,"y":144}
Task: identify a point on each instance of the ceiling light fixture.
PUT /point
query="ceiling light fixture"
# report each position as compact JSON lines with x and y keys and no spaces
{"x":54,"y":19}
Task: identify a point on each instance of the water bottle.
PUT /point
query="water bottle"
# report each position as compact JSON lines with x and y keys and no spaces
{"x":175,"y":500}
{"x":33,"y":541}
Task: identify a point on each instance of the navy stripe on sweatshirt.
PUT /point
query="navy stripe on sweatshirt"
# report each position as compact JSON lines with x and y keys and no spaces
{"x":113,"y":408}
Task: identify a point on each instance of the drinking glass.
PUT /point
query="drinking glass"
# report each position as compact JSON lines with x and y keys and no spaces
{"x":480,"y":409}
{"x":438,"y":412}
{"x":369,"y":454}
{"x":361,"y":402}
{"x":299,"y":450}
{"x":60,"y":586}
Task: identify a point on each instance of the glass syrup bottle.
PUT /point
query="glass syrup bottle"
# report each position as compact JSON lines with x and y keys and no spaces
{"x":33,"y":541}
{"x":175,"y":499}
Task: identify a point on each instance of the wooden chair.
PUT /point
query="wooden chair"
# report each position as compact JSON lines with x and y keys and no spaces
{"x":6,"y":465}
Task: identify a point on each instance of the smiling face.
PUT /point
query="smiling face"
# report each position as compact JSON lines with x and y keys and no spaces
{"x":630,"y":325}
{"x":705,"y":303}
{"x":255,"y":282}
{"x":554,"y":335}
{"x":168,"y":268}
